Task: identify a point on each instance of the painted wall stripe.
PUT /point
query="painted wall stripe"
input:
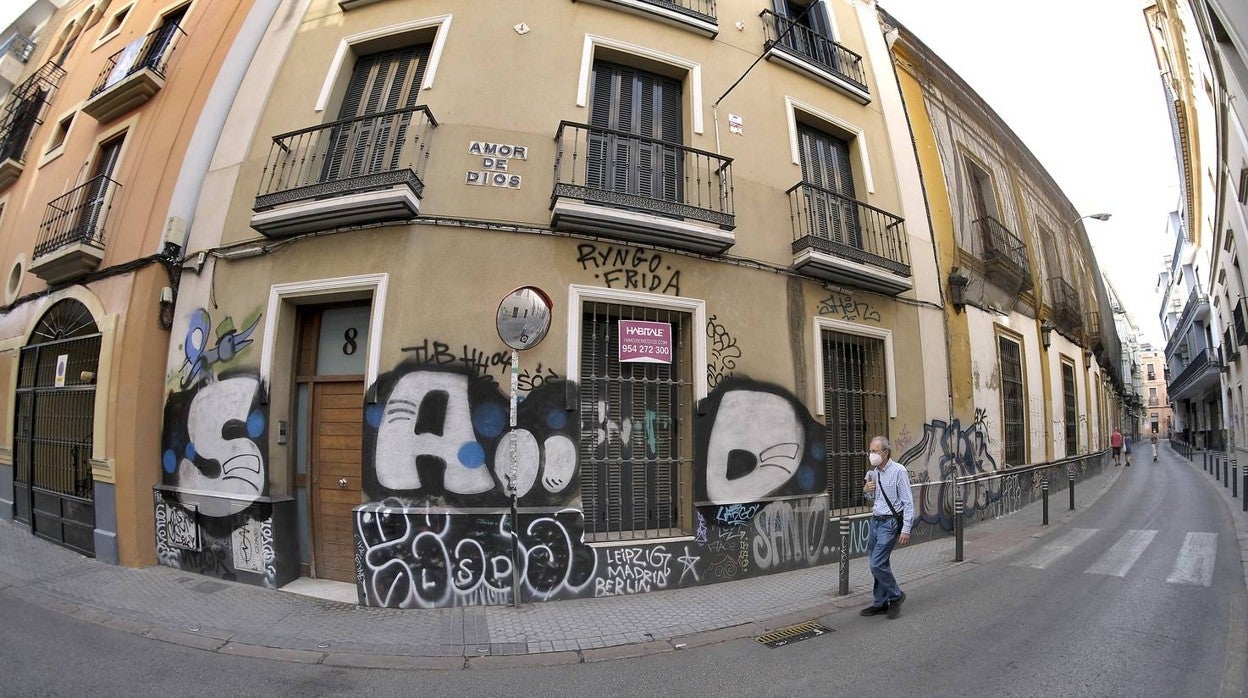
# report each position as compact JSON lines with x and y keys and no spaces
{"x":1195,"y":562}
{"x":1061,"y":545}
{"x":1117,"y":561}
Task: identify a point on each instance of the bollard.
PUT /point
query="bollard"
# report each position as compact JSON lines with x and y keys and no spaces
{"x":844,"y":581}
{"x":957,"y":525}
{"x":1070,"y":475}
{"x":1044,"y":494}
{"x":1226,"y":473}
{"x":1244,"y":500}
{"x":1206,"y":461}
{"x":1234,"y":479}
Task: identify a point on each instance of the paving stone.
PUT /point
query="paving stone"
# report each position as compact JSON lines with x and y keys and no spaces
{"x":281,"y":655}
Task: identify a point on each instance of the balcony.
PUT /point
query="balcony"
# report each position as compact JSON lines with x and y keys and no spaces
{"x":1005,"y":256}
{"x":695,"y":15}
{"x":361,"y":171}
{"x":814,"y":54}
{"x":1198,"y":376}
{"x":14,"y":52}
{"x":1064,"y":303}
{"x":71,"y":236}
{"x":133,"y":75}
{"x":22,"y":112}
{"x":846,"y":241}
{"x":1238,"y":318}
{"x":631,"y":187}
{"x":1229,"y":347}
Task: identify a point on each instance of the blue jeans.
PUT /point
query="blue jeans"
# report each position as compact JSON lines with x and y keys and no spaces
{"x":880,"y":542}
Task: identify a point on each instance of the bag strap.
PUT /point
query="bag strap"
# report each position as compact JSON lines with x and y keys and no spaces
{"x":884,"y":492}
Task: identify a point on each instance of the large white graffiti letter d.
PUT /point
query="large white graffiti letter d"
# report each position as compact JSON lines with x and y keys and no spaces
{"x":755,"y":447}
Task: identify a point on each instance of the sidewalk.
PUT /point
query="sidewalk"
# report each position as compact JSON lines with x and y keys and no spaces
{"x":165,"y":604}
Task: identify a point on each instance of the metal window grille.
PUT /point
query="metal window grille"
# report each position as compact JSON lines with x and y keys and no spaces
{"x":635,"y":464}
{"x":1072,"y":414}
{"x":1012,"y":403}
{"x":855,"y":390}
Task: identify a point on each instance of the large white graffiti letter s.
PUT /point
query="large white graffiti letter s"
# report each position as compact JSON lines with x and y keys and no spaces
{"x":242,"y":468}
{"x":398,"y":444}
{"x":755,"y":447}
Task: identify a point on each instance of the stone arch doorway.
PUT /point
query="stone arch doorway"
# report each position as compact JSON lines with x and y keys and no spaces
{"x":53,"y":491}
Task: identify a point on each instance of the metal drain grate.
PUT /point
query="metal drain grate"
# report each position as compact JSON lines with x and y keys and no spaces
{"x":793,"y":633}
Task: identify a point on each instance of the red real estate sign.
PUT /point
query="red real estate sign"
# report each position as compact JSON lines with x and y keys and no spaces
{"x":650,"y":342}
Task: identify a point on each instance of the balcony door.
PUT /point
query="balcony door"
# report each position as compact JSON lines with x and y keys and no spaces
{"x":831,"y":196}
{"x":153,"y":56}
{"x":370,"y":139}
{"x":630,"y":102}
{"x":811,"y":35}
{"x":96,"y":193}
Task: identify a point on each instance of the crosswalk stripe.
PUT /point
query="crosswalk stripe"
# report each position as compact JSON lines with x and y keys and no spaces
{"x":1058,"y":547}
{"x":1195,"y":562}
{"x":1117,"y":561}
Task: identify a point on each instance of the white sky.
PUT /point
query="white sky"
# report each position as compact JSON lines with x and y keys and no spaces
{"x":1076,"y":80}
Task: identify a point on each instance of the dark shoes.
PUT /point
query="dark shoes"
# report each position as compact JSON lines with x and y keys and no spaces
{"x":894,"y":607}
{"x":873,"y":610}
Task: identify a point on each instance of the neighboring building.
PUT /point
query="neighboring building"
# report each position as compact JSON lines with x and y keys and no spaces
{"x":97,"y":174}
{"x":1157,"y":416}
{"x":1193,"y":330}
{"x":1035,"y":363}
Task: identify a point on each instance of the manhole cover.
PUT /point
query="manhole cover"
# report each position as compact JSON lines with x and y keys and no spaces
{"x":793,"y":633}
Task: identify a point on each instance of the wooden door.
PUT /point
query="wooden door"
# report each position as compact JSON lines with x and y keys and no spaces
{"x":337,"y":442}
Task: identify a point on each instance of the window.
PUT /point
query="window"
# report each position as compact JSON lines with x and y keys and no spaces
{"x":809,"y":30}
{"x":983,"y":195}
{"x":116,"y":21}
{"x":1152,"y":396}
{"x":1152,"y":374}
{"x":1072,"y":409}
{"x":636,"y":463}
{"x":1243,"y":187}
{"x":626,"y":101}
{"x":829,"y":191}
{"x":1013,"y":401}
{"x":159,"y":45}
{"x":68,"y":38}
{"x":60,"y":134}
{"x":856,"y":408}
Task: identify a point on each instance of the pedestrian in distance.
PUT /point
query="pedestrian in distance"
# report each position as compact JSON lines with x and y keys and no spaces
{"x":1115,"y":441}
{"x":1153,"y":439}
{"x":892,"y":513}
{"x":1126,"y":450}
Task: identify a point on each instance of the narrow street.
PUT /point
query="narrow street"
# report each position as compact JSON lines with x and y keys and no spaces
{"x":1143,"y":592}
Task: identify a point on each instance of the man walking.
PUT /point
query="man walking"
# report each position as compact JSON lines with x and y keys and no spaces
{"x":891,"y":517}
{"x":1154,"y":440}
{"x":1115,"y":440}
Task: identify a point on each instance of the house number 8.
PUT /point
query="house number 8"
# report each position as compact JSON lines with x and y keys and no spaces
{"x":349,"y":346}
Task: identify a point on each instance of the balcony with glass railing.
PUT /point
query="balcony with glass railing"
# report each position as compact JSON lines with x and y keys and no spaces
{"x":133,"y":75}
{"x":622,"y":185}
{"x":840,"y":239}
{"x":72,"y":233}
{"x":360,"y":171}
{"x":801,"y":48}
{"x":694,"y":15}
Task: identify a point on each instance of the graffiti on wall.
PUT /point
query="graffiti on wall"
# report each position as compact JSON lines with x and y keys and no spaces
{"x":481,"y":362}
{"x":844,"y":307}
{"x":724,"y":352}
{"x":219,"y":553}
{"x":200,"y":358}
{"x":947,"y":451}
{"x":629,"y":268}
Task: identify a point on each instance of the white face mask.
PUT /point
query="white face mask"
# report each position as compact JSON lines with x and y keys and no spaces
{"x":875,"y":459}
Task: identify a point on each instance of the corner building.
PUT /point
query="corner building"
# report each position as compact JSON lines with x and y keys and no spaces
{"x":338,"y":395}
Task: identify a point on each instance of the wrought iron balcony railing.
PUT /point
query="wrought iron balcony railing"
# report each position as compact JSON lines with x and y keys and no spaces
{"x":813,"y":47}
{"x":18,"y":46}
{"x":841,"y":226}
{"x":638,"y":173}
{"x":703,"y":10}
{"x":1005,"y":254}
{"x":24,"y":108}
{"x":1229,"y":346}
{"x":77,"y":217}
{"x":1238,"y":318}
{"x":1064,"y":300}
{"x":1191,"y":373}
{"x":152,"y":52}
{"x":370,"y":152}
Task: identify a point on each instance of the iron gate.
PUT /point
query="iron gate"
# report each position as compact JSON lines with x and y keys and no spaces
{"x":855,"y":389}
{"x":53,"y":490}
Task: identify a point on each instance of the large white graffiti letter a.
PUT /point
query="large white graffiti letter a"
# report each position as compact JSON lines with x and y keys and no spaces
{"x":399,"y":445}
{"x":242,"y":471}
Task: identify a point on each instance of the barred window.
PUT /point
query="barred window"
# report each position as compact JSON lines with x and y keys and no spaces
{"x":855,"y":386}
{"x":1072,"y":411}
{"x":635,"y":451}
{"x":1013,"y":401}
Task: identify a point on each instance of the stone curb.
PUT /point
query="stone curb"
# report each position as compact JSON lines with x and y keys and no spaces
{"x":480,"y":657}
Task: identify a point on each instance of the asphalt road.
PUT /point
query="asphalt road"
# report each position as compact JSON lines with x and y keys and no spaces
{"x":1143,"y":594}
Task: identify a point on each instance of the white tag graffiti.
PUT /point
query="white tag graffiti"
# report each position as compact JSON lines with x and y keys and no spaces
{"x":242,"y":468}
{"x":763,"y":425}
{"x":398,"y":445}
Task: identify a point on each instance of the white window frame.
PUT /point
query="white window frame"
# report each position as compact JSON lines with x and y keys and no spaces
{"x":822,"y":323}
{"x":859,"y":143}
{"x":592,"y":41}
{"x":578,"y":294}
{"x":347,"y":44}
{"x":279,"y":293}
